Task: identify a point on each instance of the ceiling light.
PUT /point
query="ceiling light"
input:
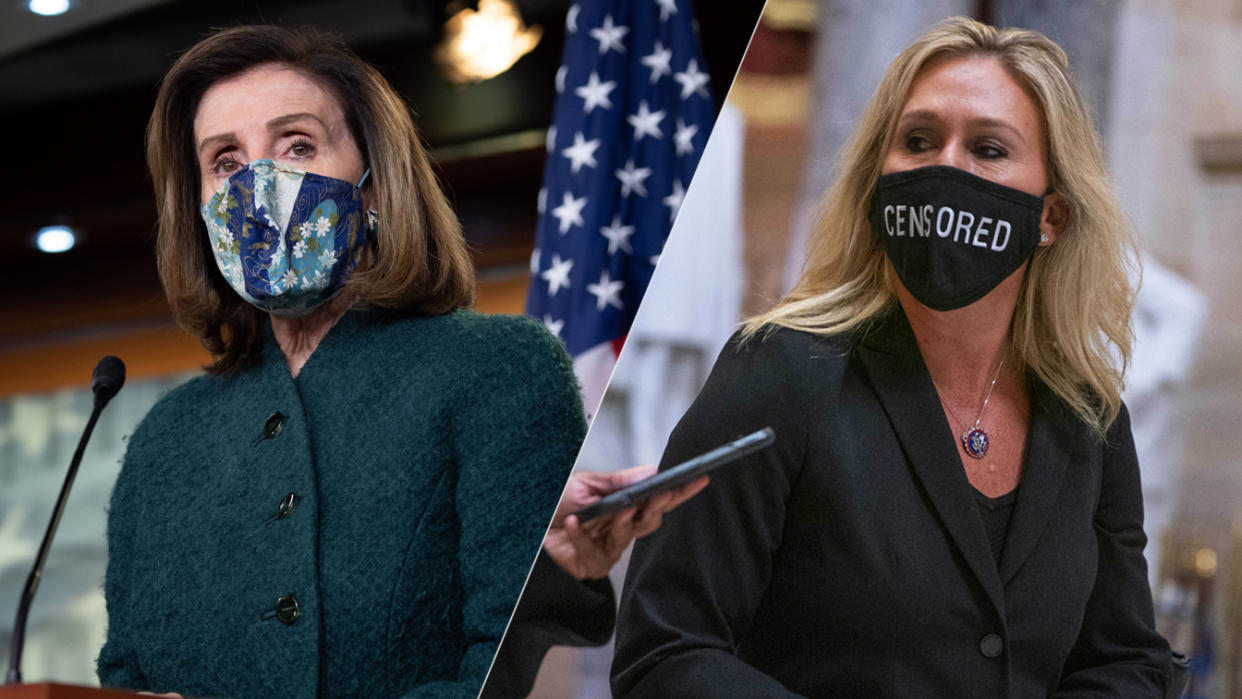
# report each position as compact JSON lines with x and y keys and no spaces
{"x":483,"y":44}
{"x":48,"y":8}
{"x":55,"y":239}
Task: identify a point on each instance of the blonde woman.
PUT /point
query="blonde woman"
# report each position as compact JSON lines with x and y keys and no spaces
{"x":953,"y":507}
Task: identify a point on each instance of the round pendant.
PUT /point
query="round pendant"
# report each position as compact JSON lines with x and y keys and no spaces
{"x":976,"y":443}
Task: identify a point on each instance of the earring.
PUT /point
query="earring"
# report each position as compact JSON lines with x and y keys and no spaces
{"x":1043,"y":237}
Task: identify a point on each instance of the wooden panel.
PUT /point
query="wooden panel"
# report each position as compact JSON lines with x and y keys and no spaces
{"x":163,"y":349}
{"x":147,"y":352}
{"x":506,"y":295}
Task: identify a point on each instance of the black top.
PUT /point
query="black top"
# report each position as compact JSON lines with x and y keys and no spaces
{"x":848,"y":559}
{"x":555,"y":610}
{"x":995,"y":513}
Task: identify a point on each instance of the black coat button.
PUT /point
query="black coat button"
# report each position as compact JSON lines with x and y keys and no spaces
{"x":287,"y":506}
{"x":274,"y":425}
{"x":287,"y":609}
{"x":991,"y":645}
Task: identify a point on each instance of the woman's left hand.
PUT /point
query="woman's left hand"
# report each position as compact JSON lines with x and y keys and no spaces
{"x":588,"y":551}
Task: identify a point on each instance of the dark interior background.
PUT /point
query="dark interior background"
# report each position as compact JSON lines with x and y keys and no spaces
{"x":76,"y":91}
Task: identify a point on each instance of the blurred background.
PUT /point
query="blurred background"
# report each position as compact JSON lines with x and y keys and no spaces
{"x":1161,"y":78}
{"x":77,"y":83}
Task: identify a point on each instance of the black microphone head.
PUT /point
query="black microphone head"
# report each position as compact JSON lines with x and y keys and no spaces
{"x":108,"y":377}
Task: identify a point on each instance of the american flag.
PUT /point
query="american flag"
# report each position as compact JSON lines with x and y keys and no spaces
{"x":633,"y":113}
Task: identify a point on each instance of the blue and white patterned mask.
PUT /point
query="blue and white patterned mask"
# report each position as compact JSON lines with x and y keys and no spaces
{"x":287,"y":240}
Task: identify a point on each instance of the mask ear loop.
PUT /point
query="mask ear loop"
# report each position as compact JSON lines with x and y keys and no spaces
{"x":371,"y":214}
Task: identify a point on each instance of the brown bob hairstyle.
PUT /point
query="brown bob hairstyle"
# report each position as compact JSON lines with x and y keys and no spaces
{"x":420,"y":264}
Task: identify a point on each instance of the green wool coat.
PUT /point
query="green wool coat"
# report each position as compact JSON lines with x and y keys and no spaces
{"x":423,"y":457}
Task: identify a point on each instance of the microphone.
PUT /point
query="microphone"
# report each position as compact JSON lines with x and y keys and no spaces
{"x":106,"y":380}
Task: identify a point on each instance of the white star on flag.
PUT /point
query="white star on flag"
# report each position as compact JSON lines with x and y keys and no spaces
{"x":595,"y":93}
{"x":667,"y":8}
{"x":609,"y":36}
{"x":632,"y":179}
{"x":534,"y":261}
{"x":646,"y":122}
{"x":543,"y":200}
{"x":554,"y":326}
{"x":551,"y":141}
{"x":673,"y":201}
{"x":606,"y":292}
{"x":683,"y":137}
{"x":557,"y":276}
{"x":582,"y":152}
{"x":614,"y":190}
{"x":569,"y":213}
{"x":618,"y":235}
{"x":692,"y":80}
{"x":659,"y":61}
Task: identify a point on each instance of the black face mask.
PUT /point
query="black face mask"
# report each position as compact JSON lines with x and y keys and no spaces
{"x":953,"y":236}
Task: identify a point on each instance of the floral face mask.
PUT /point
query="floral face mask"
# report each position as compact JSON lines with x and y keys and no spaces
{"x":287,"y":240}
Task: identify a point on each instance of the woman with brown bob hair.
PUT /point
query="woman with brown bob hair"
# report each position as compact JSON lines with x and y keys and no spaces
{"x":348,"y":503}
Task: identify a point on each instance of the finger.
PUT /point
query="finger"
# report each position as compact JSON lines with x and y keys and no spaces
{"x":652,"y":513}
{"x":580,"y":491}
{"x":580,"y":533}
{"x":648,"y":524}
{"x":563,"y":508}
{"x":650,"y":516}
{"x":616,"y":480}
{"x":575,"y":557}
{"x":592,"y":556}
{"x":598,"y":525}
{"x":623,"y":519}
{"x":685,"y":492}
{"x":656,"y":504}
{"x":621,"y":530}
{"x":626,"y":476}
{"x":598,"y":483}
{"x":584,"y":488}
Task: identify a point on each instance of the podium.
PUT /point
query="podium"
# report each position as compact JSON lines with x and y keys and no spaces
{"x":60,"y":691}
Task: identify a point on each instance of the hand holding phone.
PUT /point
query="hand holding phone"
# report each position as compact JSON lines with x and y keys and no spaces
{"x":627,"y":504}
{"x":680,"y":474}
{"x":590,"y":551}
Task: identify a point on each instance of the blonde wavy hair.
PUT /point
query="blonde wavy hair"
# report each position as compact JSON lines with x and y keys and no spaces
{"x":1071,"y":327}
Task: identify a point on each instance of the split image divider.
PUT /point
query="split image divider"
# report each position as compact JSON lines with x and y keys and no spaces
{"x":737,"y":245}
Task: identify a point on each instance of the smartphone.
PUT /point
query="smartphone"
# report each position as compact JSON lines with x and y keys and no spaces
{"x":678,"y":475}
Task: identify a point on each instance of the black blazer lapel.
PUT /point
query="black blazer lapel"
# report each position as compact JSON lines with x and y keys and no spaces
{"x":1055,"y":438}
{"x":891,"y":359}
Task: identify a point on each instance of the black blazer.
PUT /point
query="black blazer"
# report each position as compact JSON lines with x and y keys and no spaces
{"x":555,"y":610}
{"x":850,"y":560}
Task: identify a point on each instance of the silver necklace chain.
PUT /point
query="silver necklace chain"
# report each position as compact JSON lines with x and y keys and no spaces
{"x":986,"y":397}
{"x":989,"y":394}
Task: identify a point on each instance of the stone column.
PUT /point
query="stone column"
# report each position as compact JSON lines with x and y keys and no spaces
{"x":856,"y":42}
{"x":1086,"y":29}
